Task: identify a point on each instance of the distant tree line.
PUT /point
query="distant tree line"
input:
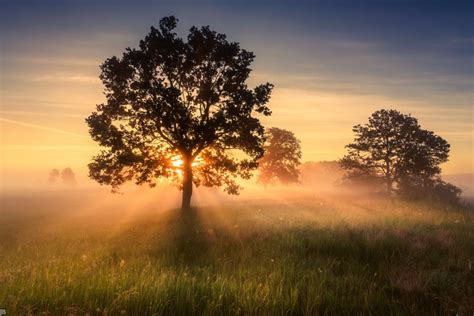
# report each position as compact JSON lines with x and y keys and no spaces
{"x":391,"y":151}
{"x":66,"y":176}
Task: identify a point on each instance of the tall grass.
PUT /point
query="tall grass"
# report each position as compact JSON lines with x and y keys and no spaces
{"x":307,"y":256}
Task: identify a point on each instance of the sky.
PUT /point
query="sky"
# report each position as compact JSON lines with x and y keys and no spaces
{"x":333,"y":63}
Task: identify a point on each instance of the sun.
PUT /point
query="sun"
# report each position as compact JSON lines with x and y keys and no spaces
{"x":177,"y":164}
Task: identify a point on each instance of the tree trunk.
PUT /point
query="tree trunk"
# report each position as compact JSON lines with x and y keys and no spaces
{"x":187,"y":184}
{"x":388,"y":177}
{"x":389,"y":185}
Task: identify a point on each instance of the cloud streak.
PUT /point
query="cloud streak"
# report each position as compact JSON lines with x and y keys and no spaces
{"x":41,"y":127}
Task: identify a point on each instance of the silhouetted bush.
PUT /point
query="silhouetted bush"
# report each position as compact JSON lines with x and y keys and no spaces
{"x":436,"y":190}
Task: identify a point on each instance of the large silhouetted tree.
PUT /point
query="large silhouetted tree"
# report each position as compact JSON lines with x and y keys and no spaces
{"x":281,"y":159}
{"x":173,"y":98}
{"x":392,"y":146}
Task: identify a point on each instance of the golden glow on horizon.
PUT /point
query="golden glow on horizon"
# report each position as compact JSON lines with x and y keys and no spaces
{"x":33,"y":144}
{"x":42,"y":124}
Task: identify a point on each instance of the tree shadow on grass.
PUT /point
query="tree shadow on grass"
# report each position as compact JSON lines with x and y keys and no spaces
{"x":187,"y":242}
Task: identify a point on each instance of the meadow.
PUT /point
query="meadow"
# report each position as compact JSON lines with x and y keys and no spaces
{"x":310,"y":254}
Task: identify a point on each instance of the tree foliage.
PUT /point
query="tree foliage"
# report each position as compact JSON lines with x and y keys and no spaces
{"x":172,"y":97}
{"x":281,"y":159}
{"x":394,"y":148}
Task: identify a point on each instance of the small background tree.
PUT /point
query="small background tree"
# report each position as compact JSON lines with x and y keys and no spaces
{"x":53,"y":176}
{"x":281,"y":159}
{"x":68,"y":177}
{"x":179,"y":109}
{"x":394,"y":148}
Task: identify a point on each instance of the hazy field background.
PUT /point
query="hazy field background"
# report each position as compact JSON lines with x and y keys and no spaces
{"x":84,"y":252}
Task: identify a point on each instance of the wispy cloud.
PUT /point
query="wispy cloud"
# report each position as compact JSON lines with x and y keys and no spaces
{"x":28,"y":113}
{"x":41,"y":127}
{"x":50,"y":148}
{"x":56,"y":60}
{"x":63,"y":78}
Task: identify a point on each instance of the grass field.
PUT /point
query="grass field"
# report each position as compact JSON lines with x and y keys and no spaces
{"x":309,"y":255}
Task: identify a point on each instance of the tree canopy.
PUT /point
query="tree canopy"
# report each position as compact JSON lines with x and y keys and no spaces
{"x":393,"y":147}
{"x":281,"y":159}
{"x":180,"y":98}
